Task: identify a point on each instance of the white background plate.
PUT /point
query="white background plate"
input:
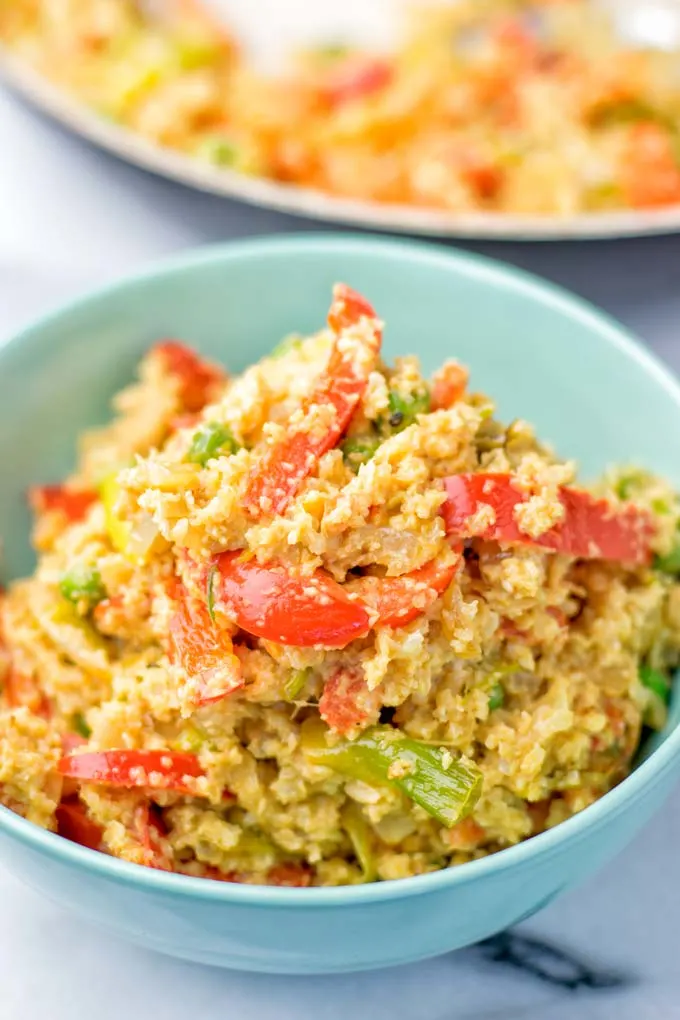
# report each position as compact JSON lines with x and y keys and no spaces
{"x":270,"y":28}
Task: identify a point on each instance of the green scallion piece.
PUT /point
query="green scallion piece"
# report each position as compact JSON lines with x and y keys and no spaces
{"x":361,"y":838}
{"x":496,"y":697}
{"x":82,"y":583}
{"x":447,"y":789}
{"x":403,"y":410}
{"x":295,"y":683}
{"x":655,"y":681}
{"x":80,"y":726}
{"x":670,"y":563}
{"x":219,"y":151}
{"x":288,"y":344}
{"x":359,"y":451}
{"x":209,"y":442}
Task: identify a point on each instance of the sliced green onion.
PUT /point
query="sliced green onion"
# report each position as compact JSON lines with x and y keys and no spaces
{"x":210,"y":591}
{"x":660,"y":506}
{"x":295,"y":683}
{"x":626,"y":486}
{"x":209,"y":442}
{"x":403,"y":410}
{"x":447,"y":789}
{"x":218,"y":150}
{"x":361,"y":838}
{"x":80,"y":726}
{"x":288,"y":344}
{"x":496,"y":697}
{"x":356,"y":452}
{"x":670,"y":563}
{"x":82,"y":583}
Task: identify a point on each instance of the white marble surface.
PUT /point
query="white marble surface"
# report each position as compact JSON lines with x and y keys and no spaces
{"x":71,"y":217}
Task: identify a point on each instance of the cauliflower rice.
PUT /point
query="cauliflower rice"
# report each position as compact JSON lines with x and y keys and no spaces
{"x":530,"y":107}
{"x":273,"y":635}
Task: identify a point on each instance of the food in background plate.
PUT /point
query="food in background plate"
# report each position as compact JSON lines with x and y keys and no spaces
{"x":509,"y":106}
{"x":329,"y":622}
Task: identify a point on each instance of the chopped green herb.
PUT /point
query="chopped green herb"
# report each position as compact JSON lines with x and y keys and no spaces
{"x":82,"y":583}
{"x":210,"y":441}
{"x":496,"y":697}
{"x":79,"y":724}
{"x":295,"y":683}
{"x":359,"y":451}
{"x":403,"y":410}
{"x":670,"y":563}
{"x":210,"y":591}
{"x":288,"y":344}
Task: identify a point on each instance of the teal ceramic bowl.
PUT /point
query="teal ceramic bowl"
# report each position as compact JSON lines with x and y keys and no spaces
{"x":547,"y":357}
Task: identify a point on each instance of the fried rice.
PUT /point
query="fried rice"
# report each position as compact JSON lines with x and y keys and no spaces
{"x":329,"y":621}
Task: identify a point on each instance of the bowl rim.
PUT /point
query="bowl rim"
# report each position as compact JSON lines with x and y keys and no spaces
{"x":498,"y":275}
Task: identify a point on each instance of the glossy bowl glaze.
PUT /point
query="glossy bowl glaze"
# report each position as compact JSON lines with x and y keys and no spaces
{"x":590,"y":390}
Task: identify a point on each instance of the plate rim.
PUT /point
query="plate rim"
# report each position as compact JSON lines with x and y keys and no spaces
{"x":311,"y":203}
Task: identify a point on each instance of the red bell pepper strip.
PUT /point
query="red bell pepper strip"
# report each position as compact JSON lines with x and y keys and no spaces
{"x":20,"y":689}
{"x":400,"y":600}
{"x":591,"y":528}
{"x":222,"y":876}
{"x":277,"y":477}
{"x":72,"y":503}
{"x":204,"y":651}
{"x":70,"y":741}
{"x":448,"y":385}
{"x":355,"y":78}
{"x":348,"y":308}
{"x":74,"y":823}
{"x":290,"y":873}
{"x":346,"y":702}
{"x":270,"y":602}
{"x":155,"y":770}
{"x":199,"y":380}
{"x":650,"y":174}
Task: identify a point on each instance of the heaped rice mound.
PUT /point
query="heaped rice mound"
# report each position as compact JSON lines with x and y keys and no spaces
{"x":329,"y":622}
